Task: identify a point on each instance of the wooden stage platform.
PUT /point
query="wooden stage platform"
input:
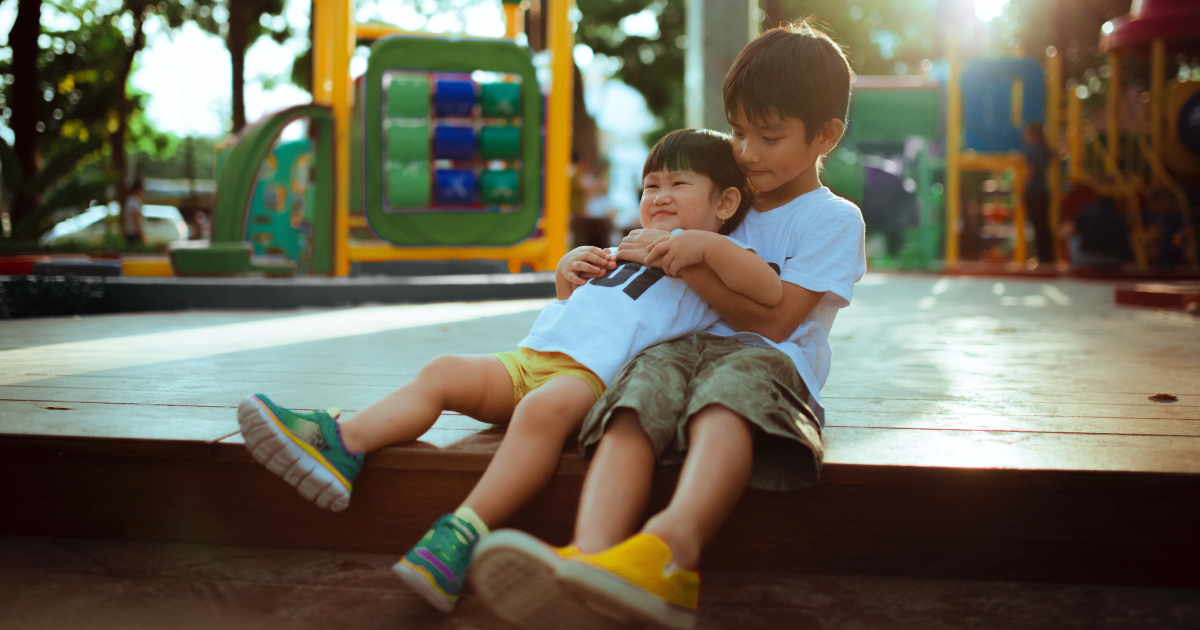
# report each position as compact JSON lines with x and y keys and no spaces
{"x":977,"y":429}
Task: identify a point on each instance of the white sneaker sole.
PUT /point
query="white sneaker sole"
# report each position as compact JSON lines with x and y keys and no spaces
{"x":273,"y":446}
{"x":515,"y":576}
{"x":421,"y":584}
{"x":610,"y":592}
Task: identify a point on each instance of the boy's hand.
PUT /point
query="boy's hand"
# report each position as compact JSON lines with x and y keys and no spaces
{"x":678,"y":251}
{"x":636,"y":246}
{"x":584,"y":263}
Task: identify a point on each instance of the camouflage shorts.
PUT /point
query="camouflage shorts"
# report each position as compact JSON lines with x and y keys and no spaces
{"x":668,"y":383}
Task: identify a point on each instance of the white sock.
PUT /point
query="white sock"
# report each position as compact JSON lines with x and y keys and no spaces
{"x":469,"y":515}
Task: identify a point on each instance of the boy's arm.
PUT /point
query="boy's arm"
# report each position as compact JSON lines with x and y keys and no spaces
{"x":744,"y":314}
{"x":738,"y":268}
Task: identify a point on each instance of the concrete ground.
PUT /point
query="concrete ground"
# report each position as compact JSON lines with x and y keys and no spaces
{"x":94,"y":585}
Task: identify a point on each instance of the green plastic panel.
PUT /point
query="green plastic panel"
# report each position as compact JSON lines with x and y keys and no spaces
{"x":842,"y":172}
{"x":408,"y":96}
{"x":408,"y":185}
{"x":500,"y":143}
{"x":500,"y":100}
{"x":407,"y":143}
{"x":240,"y":174}
{"x":892,"y":115}
{"x":501,"y":188}
{"x":424,"y":228}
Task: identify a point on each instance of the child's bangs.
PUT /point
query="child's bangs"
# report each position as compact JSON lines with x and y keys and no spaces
{"x":688,"y":150}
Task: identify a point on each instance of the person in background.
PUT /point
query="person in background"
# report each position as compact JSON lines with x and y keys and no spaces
{"x":1100,"y":237}
{"x":1037,"y":191}
{"x":1162,"y":223}
{"x":131,"y":215}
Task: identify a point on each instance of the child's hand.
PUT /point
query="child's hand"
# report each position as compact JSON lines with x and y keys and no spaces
{"x":636,"y":246}
{"x":676,"y":252}
{"x":584,"y":263}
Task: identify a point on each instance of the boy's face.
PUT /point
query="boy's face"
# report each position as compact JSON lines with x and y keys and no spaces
{"x":679,"y":200}
{"x":773,"y":152}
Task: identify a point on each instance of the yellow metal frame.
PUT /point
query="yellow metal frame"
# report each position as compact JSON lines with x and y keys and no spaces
{"x":999,"y":162}
{"x":953,"y":149}
{"x":334,"y":38}
{"x":1053,"y":131}
{"x":958,"y":161}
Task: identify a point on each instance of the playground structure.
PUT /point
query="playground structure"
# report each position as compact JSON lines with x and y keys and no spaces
{"x":991,"y":101}
{"x":915,"y":132}
{"x":886,"y":166}
{"x":438,"y":152}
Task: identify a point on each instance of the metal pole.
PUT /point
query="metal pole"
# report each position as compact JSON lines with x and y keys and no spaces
{"x":1114,"y":106}
{"x":1158,"y":66}
{"x":953,"y":146}
{"x":558,"y":132}
{"x":1053,"y":137}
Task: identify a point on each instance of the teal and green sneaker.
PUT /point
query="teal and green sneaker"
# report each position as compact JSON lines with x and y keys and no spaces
{"x":305,"y":448}
{"x":436,"y":567}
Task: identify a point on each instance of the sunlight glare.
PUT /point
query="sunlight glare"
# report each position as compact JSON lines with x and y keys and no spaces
{"x":988,"y":10}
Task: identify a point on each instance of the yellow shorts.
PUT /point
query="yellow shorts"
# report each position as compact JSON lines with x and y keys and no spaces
{"x":530,"y":369}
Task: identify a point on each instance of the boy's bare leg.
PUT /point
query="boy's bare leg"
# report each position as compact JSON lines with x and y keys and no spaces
{"x":617,"y":485}
{"x":717,"y":468}
{"x":477,"y":386}
{"x":531,"y":448}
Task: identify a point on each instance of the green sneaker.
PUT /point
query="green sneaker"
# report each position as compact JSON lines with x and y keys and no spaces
{"x":435,"y":568}
{"x":305,"y":448}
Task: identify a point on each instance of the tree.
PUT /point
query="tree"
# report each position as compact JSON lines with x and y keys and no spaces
{"x":651,"y":65}
{"x":241,"y":27}
{"x":69,"y":108}
{"x":22,"y":101}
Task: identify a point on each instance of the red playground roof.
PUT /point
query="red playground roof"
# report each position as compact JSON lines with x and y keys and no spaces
{"x":1176,"y":21}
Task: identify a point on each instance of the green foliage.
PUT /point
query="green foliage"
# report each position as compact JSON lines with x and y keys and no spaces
{"x":651,"y":65}
{"x":879,"y":36}
{"x":172,"y":162}
{"x":79,"y":75}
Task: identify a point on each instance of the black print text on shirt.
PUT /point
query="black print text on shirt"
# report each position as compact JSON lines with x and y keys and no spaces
{"x":627,"y":270}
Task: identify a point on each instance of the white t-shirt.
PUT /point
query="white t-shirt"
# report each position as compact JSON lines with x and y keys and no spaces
{"x":608,"y":320}
{"x":816,"y":241}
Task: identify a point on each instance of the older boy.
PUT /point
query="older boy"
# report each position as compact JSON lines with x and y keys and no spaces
{"x":738,"y":408}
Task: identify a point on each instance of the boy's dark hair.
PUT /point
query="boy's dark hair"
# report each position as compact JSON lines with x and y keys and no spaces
{"x":708,"y":153}
{"x":794,"y":70}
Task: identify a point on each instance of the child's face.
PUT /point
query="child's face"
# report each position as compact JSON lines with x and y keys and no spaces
{"x":773,"y":151}
{"x":680,"y":200}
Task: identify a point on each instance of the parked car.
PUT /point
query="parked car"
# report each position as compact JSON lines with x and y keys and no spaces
{"x":160,"y":224}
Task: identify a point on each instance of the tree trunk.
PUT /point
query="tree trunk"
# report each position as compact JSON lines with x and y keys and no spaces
{"x":117,"y":140}
{"x":236,"y":42}
{"x":23,"y":39}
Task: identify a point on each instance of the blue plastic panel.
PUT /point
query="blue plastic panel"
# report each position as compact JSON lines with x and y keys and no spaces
{"x":454,"y":187}
{"x":453,"y":143}
{"x":454,"y":98}
{"x":987,"y":95}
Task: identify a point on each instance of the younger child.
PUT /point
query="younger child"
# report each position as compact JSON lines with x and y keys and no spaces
{"x":739,"y":404}
{"x":608,"y":311}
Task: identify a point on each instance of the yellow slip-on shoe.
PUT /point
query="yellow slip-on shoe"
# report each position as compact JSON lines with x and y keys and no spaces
{"x":637,"y":578}
{"x":515,"y":576}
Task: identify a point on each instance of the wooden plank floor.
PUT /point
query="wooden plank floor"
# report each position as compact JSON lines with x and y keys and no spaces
{"x":940,"y":387}
{"x":1013,"y":374}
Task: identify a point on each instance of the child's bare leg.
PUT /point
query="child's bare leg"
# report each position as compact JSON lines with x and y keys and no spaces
{"x":530,"y":451}
{"x":477,"y":386}
{"x":617,"y":485}
{"x":717,"y":468}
